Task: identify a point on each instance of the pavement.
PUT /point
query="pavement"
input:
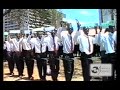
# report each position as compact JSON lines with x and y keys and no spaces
{"x":77,"y":75}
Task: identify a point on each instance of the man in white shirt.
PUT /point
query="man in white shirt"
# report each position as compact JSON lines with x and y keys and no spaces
{"x":16,"y":53}
{"x":9,"y":57}
{"x":110,"y":50}
{"x":25,"y":49}
{"x":53,"y":47}
{"x":116,"y":62}
{"x":96,"y":51}
{"x":4,"y":51}
{"x":39,"y":46}
{"x":86,"y":48}
{"x":60,"y":29}
{"x":115,"y":37}
{"x":68,"y":48}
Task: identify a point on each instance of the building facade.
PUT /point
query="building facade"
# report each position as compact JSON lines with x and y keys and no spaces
{"x":107,"y":15}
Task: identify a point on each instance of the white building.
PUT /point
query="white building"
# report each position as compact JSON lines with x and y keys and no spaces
{"x":105,"y":15}
{"x":8,"y":24}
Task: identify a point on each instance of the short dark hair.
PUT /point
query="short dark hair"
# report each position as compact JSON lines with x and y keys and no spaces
{"x":107,"y":30}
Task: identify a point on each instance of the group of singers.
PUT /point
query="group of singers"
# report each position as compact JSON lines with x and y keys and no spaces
{"x":47,"y":48}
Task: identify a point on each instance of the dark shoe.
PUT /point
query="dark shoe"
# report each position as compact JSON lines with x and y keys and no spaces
{"x":55,"y":80}
{"x":31,"y":78}
{"x":21,"y":76}
{"x":11,"y":74}
{"x":42,"y":79}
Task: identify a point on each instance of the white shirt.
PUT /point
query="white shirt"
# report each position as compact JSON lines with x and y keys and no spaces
{"x":96,"y":39}
{"x":16,"y":44}
{"x":109,"y":43}
{"x":4,"y":46}
{"x":50,"y":44}
{"x":24,"y":44}
{"x":66,"y":41}
{"x":84,"y":44}
{"x":9,"y":46}
{"x":36,"y":43}
{"x":75,"y":35}
{"x":60,"y":29}
{"x":100,"y":41}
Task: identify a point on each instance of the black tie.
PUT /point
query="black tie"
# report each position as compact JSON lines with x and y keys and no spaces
{"x":41,"y":46}
{"x":89,"y":44}
{"x":54,"y":43}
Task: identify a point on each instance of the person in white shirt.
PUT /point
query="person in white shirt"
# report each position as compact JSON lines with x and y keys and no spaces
{"x":116,"y":62}
{"x":96,"y":51}
{"x":68,"y":48}
{"x":60,"y":29}
{"x":86,"y":48}
{"x":9,"y":57}
{"x":4,"y":51}
{"x":115,"y":37}
{"x":53,"y":47}
{"x":110,"y":50}
{"x":25,"y":49}
{"x":100,"y":42}
{"x":16,"y":53}
{"x":39,"y":46}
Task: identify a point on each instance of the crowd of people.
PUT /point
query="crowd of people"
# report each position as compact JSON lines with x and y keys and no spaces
{"x":48,"y":48}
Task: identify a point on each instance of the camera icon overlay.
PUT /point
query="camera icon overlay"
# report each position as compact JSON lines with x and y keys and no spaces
{"x":100,"y":70}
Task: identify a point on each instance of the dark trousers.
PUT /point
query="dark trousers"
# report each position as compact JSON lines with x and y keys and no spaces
{"x":96,"y":51}
{"x":112,"y":60}
{"x":104,"y":60}
{"x":4,"y":54}
{"x":29,"y":62}
{"x":68,"y":64}
{"x":109,"y":59}
{"x":41,"y":65}
{"x":16,"y":58}
{"x":85,"y":61}
{"x":10,"y":61}
{"x":76,"y":50}
{"x":54,"y":65}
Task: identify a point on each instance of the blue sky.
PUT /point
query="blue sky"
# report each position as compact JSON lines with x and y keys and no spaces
{"x":85,"y":16}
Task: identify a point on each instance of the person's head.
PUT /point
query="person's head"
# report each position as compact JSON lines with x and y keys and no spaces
{"x":107,"y":30}
{"x":64,"y":24}
{"x":100,"y":28}
{"x":61,"y":23}
{"x":85,"y":30}
{"x":11,"y":36}
{"x":18,"y":36}
{"x":111,"y":28}
{"x":23,"y":35}
{"x":53,"y":33}
{"x":27,"y":35}
{"x":68,"y":28}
